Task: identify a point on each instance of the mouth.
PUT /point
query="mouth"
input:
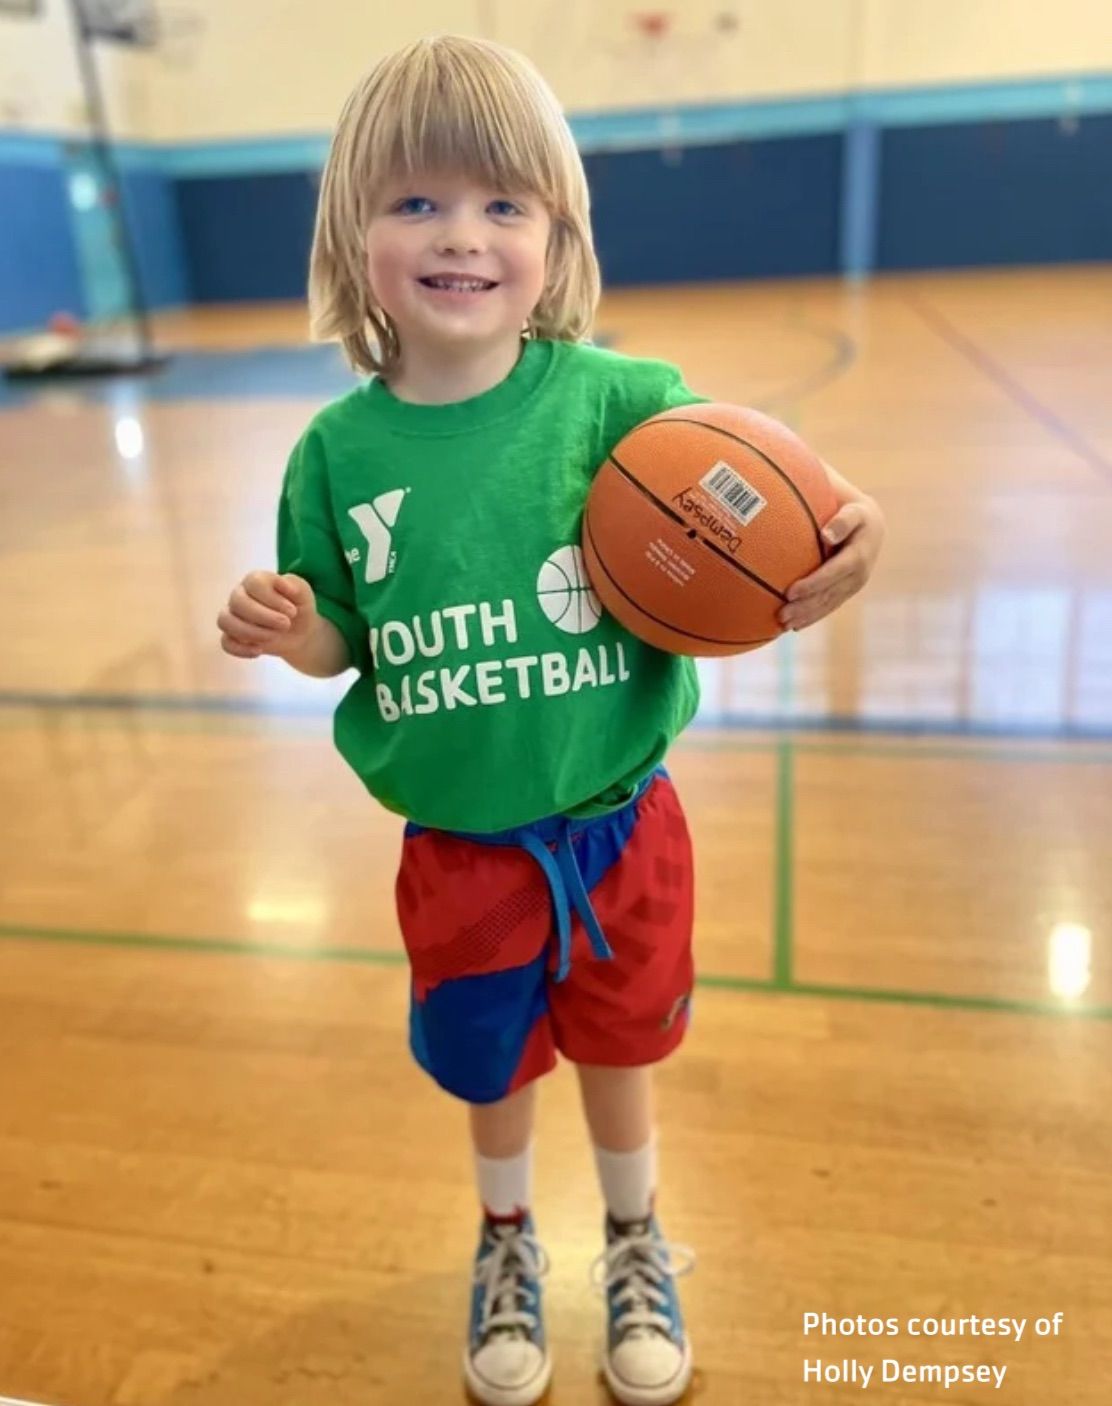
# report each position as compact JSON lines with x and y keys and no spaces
{"x":457,"y":284}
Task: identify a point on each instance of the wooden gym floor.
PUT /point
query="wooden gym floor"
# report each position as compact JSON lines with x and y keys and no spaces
{"x":222,"y":1180}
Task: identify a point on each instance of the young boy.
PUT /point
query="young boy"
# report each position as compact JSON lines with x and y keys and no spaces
{"x":428,"y":537}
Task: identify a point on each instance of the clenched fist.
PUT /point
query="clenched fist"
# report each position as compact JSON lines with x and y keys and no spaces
{"x":267,"y":614}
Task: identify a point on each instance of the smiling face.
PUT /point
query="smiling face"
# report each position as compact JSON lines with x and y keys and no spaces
{"x":455,"y":264}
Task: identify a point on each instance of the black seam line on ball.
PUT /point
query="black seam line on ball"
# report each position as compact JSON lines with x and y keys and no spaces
{"x":707,"y":639}
{"x":671,"y":512}
{"x":729,"y":434}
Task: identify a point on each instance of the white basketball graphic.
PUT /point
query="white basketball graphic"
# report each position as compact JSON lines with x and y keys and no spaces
{"x":565,"y":593}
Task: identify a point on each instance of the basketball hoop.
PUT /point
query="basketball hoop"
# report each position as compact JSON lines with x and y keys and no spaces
{"x":125,"y":21}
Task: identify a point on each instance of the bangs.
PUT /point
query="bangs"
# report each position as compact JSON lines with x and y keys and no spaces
{"x":446,"y":114}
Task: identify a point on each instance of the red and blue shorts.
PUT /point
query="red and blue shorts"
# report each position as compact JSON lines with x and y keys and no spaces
{"x":569,"y":935}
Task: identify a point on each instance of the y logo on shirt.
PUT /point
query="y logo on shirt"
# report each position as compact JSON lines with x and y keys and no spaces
{"x":374,"y":520}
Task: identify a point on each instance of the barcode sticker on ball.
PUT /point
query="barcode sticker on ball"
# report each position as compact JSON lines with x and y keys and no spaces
{"x":731,"y":490}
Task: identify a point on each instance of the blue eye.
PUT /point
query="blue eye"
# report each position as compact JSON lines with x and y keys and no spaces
{"x":405,"y":207}
{"x":508,"y":207}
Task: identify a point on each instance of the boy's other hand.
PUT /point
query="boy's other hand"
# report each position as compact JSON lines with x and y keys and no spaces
{"x":267,"y":614}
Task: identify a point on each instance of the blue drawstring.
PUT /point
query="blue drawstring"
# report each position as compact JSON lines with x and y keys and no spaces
{"x":579,"y":896}
{"x":563,"y":874}
{"x":564,"y":880}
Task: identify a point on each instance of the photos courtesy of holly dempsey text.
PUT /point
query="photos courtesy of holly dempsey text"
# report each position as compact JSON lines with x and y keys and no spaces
{"x":920,"y":1329}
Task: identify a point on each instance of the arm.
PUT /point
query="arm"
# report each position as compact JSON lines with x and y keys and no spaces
{"x":272,"y":614}
{"x":322,"y":654}
{"x":845,"y":491}
{"x":305,"y":613}
{"x":309,"y":549}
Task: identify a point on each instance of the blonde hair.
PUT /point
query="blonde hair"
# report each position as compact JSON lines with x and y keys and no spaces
{"x":466,"y":105}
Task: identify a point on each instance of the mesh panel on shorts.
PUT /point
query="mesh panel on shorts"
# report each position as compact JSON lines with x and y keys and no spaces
{"x":474,"y":948}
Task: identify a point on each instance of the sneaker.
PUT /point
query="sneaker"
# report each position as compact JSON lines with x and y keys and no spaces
{"x":507,"y":1362}
{"x":647,"y":1360}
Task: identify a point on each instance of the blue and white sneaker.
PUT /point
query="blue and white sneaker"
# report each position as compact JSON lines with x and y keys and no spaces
{"x":647,"y":1360}
{"x":507,"y":1362}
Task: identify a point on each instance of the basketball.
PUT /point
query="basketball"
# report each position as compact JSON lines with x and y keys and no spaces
{"x":699,"y":521}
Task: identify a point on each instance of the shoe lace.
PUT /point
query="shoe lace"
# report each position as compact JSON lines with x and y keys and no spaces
{"x":516,"y":1258}
{"x":640,"y":1263}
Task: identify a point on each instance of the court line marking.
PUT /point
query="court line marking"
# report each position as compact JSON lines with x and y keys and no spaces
{"x":359,"y":956}
{"x":781,"y":982}
{"x":1016,"y":391}
{"x":201,"y":707}
{"x":887,"y":736}
{"x":783,"y":883}
{"x":783,"y":404}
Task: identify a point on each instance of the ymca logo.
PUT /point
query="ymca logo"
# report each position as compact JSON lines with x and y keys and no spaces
{"x":374,"y":520}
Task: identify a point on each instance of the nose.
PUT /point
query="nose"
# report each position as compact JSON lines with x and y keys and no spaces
{"x":460,"y":232}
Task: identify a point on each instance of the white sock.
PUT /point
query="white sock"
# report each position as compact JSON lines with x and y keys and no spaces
{"x":505,"y":1183}
{"x":628,"y":1180}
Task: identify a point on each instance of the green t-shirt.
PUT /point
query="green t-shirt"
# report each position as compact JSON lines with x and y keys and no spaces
{"x":443,"y":541}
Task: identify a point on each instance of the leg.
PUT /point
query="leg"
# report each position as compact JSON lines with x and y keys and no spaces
{"x":648,"y":1354}
{"x":479,"y":1026}
{"x":507,"y":1362}
{"x":502,"y":1135}
{"x":505,"y":1128}
{"x":615,"y":1021}
{"x":618,"y":1104}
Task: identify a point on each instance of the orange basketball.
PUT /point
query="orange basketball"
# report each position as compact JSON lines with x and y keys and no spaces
{"x":699,"y":521}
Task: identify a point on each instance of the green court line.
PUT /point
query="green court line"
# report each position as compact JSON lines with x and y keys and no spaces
{"x":369,"y":957}
{"x":225,"y":945}
{"x":784,"y":867}
{"x":996,"y":1004}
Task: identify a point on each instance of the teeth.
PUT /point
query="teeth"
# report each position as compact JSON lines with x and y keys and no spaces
{"x":460,"y":285}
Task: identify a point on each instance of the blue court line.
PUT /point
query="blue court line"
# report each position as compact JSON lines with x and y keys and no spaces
{"x":318,"y":371}
{"x":1010,"y":384}
{"x":313,"y":371}
{"x":777,"y":723}
{"x":167,"y":703}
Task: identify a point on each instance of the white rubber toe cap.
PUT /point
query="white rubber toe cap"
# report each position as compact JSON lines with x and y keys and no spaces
{"x":508,"y":1372}
{"x":649,"y":1370}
